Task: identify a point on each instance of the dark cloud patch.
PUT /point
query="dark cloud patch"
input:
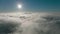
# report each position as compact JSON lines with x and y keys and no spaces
{"x":7,"y":27}
{"x":50,"y":25}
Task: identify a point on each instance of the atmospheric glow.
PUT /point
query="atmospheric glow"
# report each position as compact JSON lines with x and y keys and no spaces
{"x":19,"y":6}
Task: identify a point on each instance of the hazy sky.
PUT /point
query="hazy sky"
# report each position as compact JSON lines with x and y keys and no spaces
{"x":30,"y":5}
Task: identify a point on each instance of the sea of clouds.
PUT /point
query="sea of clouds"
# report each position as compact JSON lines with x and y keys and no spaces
{"x":29,"y":23}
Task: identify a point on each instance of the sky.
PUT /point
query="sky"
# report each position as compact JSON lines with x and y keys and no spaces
{"x":30,"y":5}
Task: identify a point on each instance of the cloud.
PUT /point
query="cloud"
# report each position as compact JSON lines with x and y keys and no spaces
{"x":29,"y":23}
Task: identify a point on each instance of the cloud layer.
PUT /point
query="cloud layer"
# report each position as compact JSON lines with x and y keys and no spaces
{"x":29,"y":23}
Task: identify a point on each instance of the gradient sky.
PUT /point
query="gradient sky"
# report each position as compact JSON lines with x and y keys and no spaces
{"x":30,"y":5}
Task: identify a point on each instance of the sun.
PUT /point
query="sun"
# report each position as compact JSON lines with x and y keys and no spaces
{"x":19,"y":6}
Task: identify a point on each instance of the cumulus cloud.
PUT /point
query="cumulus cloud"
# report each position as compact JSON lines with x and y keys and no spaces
{"x":29,"y":23}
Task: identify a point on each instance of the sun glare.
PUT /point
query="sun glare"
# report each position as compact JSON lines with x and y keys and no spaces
{"x":19,"y":6}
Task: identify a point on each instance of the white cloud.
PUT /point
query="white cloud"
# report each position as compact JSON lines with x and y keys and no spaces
{"x":30,"y":23}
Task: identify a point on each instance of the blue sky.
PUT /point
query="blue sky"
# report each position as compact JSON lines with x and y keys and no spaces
{"x":30,"y":5}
